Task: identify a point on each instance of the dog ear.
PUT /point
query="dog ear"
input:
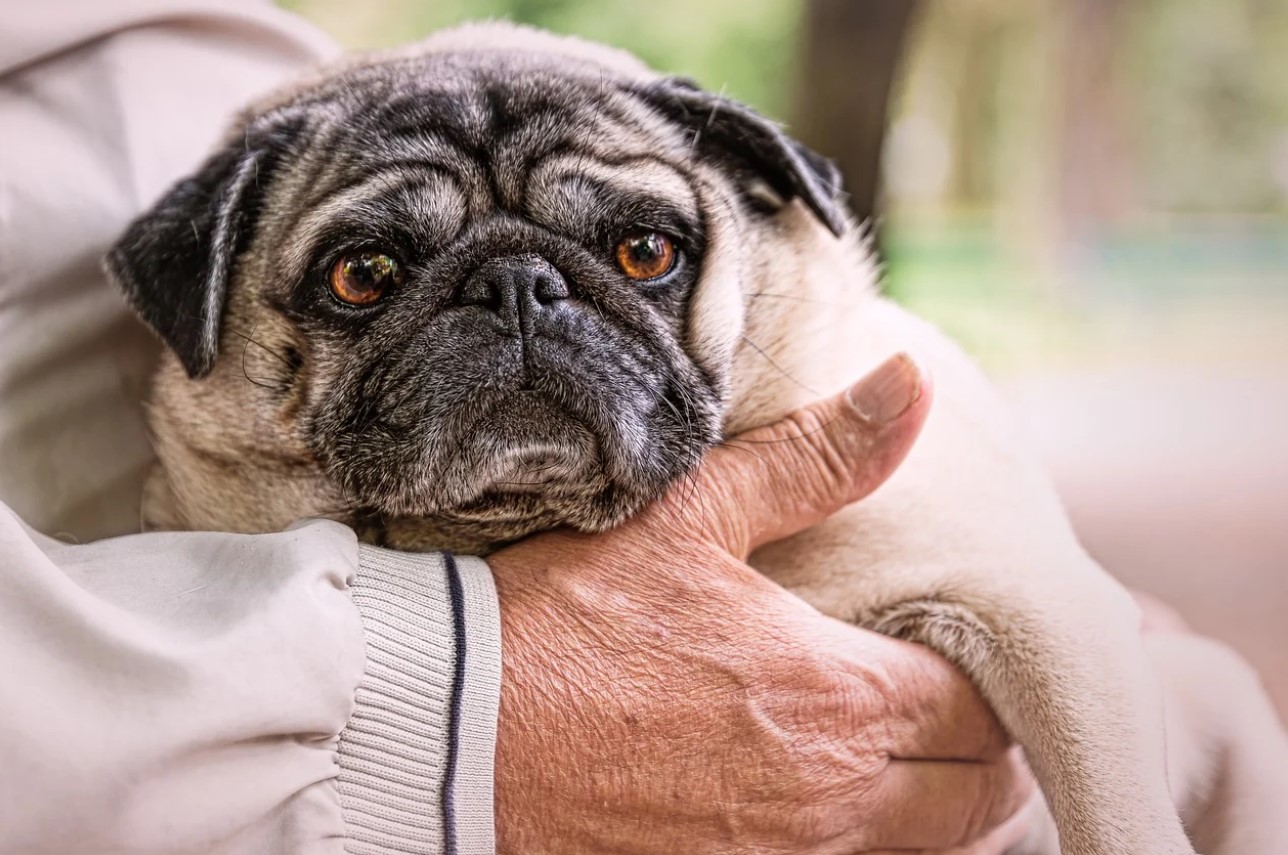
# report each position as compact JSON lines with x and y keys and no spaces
{"x":175,"y":261}
{"x":722,"y":125}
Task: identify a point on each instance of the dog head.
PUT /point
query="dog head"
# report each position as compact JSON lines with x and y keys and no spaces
{"x":496,"y":280}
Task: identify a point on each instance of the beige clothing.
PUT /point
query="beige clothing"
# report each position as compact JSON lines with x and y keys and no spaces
{"x":190,"y":692}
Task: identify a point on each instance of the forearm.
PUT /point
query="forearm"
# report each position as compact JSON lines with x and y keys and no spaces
{"x":214,"y":692}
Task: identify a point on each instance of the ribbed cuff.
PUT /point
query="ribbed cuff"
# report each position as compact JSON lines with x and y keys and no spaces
{"x":416,"y":759}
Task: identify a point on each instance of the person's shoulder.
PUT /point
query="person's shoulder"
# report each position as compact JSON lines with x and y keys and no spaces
{"x":34,"y":32}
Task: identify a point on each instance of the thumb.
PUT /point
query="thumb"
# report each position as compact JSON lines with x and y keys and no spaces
{"x":772,"y":482}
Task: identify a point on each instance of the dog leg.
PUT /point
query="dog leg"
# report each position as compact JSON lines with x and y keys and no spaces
{"x":1228,"y":751}
{"x":1086,"y":709}
{"x":1079,"y":695}
{"x":968,"y":550}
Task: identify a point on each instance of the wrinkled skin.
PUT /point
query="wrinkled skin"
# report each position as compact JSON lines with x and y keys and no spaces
{"x":805,"y":738}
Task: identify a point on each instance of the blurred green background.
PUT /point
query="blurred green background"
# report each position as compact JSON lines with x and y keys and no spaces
{"x":1092,"y":195}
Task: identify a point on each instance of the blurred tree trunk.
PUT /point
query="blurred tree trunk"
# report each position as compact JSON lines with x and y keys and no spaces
{"x":1095,"y":170}
{"x":851,"y":52}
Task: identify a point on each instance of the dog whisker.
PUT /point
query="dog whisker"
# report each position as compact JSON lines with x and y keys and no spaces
{"x":778,"y":367}
{"x":794,"y":298}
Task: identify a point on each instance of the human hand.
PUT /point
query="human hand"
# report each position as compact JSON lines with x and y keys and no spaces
{"x":660,"y":696}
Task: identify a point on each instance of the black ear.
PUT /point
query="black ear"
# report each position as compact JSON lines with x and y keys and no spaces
{"x":175,"y":261}
{"x":719,"y":123}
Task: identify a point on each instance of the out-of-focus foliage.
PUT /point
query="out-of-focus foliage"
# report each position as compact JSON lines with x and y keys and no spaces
{"x":1058,"y":168}
{"x":743,"y":46}
{"x":1212,"y":103}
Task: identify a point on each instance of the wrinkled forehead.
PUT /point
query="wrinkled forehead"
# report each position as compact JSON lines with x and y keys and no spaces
{"x":458,"y":138}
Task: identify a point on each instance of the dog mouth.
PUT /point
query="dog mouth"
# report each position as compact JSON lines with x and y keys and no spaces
{"x":533,"y":468}
{"x":529,"y":465}
{"x":499,"y":445}
{"x":527,"y":445}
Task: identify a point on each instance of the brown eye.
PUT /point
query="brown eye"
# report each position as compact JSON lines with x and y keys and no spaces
{"x":360,"y":279}
{"x":646,"y":255}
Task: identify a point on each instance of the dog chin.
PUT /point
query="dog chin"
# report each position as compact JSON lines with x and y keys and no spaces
{"x":527,"y":463}
{"x":503,"y":516}
{"x":528,"y":445}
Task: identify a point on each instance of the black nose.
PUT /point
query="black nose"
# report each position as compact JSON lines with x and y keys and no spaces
{"x":517,"y":288}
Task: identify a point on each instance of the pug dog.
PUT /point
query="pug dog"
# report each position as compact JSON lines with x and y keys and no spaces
{"x":504,"y":281}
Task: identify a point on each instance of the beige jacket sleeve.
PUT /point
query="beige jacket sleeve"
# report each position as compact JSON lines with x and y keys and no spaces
{"x":216,"y":693}
{"x":190,"y":692}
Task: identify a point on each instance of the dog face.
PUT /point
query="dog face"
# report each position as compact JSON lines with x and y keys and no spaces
{"x":495,"y":281}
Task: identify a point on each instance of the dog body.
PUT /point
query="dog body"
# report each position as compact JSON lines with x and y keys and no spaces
{"x":513,"y":379}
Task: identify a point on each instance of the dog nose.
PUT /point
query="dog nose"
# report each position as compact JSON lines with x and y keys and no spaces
{"x":515,"y":287}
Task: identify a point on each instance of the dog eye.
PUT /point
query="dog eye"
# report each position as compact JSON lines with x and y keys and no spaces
{"x":646,"y":255}
{"x":361,"y":278}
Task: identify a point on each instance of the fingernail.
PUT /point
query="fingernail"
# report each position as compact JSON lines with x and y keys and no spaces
{"x":888,"y":391}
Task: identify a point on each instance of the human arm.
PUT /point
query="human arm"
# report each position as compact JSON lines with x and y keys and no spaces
{"x":207,"y":692}
{"x":188,"y":691}
{"x":697,"y":707}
